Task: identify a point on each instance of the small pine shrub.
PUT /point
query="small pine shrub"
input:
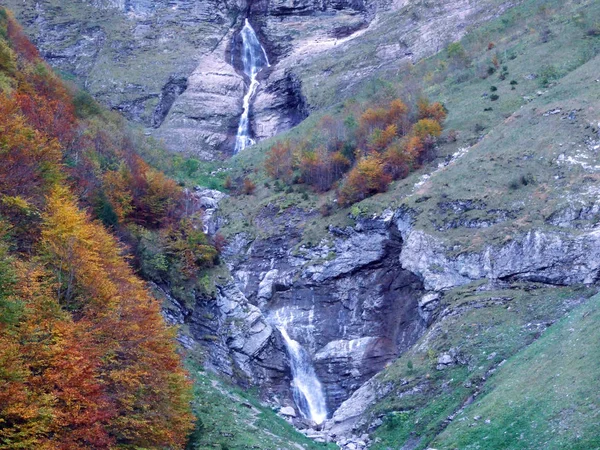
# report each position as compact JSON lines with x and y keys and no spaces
{"x":513,"y":82}
{"x":493,"y":88}
{"x":494,"y":97}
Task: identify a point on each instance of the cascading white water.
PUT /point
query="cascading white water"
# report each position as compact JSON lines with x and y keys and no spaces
{"x":306,"y":387}
{"x":254,"y":59}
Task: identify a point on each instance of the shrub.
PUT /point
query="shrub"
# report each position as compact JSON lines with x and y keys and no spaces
{"x":494,"y":97}
{"x":398,"y":161}
{"x":228,"y":183}
{"x":326,"y":209}
{"x":594,"y":30}
{"x":248,"y":186}
{"x":493,"y":88}
{"x":280,"y":162}
{"x":85,"y":105}
{"x":513,"y":82}
{"x":435,"y":111}
{"x":548,"y":74}
{"x":368,"y":177}
{"x":425,"y":128}
{"x":457,"y":56}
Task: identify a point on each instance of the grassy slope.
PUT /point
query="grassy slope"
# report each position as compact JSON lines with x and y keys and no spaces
{"x":515,"y":129}
{"x":486,"y":327}
{"x":545,"y":397}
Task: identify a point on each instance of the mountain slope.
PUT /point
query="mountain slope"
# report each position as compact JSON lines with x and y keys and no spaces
{"x":544,"y":397}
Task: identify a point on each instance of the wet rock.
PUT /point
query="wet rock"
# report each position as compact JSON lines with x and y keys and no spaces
{"x":288,"y":411}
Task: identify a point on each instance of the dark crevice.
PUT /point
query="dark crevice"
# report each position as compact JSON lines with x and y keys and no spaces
{"x":169,"y":93}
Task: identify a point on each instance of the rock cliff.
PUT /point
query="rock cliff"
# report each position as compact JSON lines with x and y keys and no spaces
{"x":174,"y":66}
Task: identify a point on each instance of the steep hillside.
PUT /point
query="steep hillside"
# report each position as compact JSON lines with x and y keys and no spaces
{"x":386,"y":273}
{"x":176,"y":66}
{"x":86,"y":358}
{"x":545,"y":397}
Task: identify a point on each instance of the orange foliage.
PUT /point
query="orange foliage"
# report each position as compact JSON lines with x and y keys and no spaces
{"x":425,"y":128}
{"x":398,"y":160}
{"x":380,"y":139}
{"x":21,"y":44}
{"x":434,"y":111}
{"x":248,"y":187}
{"x":384,"y":131}
{"x":30,"y":163}
{"x":139,"y":369}
{"x":279,"y":163}
{"x":50,"y":396}
{"x":117,"y":190}
{"x":320,"y":168}
{"x":368,"y":177}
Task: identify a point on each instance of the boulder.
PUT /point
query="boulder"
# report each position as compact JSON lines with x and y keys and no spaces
{"x":288,"y":411}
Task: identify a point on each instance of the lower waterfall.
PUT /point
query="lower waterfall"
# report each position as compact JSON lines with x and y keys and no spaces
{"x":306,"y":387}
{"x":254,"y":59}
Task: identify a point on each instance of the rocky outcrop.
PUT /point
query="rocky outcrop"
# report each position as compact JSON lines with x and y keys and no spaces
{"x":347,"y":300}
{"x":539,"y":256}
{"x":174,"y":65}
{"x":204,"y":117}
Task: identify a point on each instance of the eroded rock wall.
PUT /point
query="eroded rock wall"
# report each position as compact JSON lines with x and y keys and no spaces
{"x":171,"y":65}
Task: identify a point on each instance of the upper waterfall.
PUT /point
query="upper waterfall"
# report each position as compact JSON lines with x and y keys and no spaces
{"x":254,"y":59}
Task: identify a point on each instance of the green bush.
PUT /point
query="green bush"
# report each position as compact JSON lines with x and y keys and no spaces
{"x":85,"y":105}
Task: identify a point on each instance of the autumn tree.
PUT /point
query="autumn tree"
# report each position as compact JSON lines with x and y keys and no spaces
{"x":280,"y":161}
{"x":140,"y":372}
{"x":434,"y":111}
{"x":368,"y":177}
{"x":399,"y":160}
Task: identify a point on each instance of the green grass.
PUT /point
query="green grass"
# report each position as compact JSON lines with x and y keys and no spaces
{"x":545,"y":397}
{"x":484,"y":331}
{"x":515,"y":129}
{"x":233,"y":419}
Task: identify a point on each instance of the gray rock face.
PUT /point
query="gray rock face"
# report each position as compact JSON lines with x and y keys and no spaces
{"x":174,"y":65}
{"x":346,"y":301}
{"x":349,"y":413}
{"x":238,"y":341}
{"x":542,"y":256}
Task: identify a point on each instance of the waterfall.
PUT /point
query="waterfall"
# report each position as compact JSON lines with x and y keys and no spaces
{"x":306,"y":387}
{"x":254,"y":59}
